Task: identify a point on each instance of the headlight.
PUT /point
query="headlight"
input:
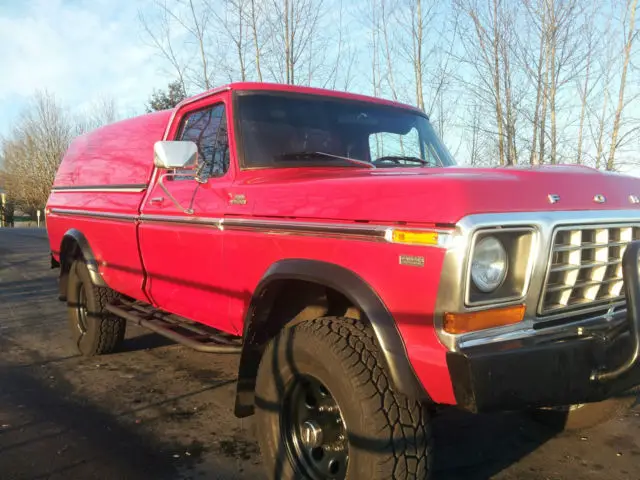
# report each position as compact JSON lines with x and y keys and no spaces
{"x":489,"y":264}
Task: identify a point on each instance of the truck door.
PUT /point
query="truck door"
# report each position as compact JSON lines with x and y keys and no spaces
{"x":180,"y":238}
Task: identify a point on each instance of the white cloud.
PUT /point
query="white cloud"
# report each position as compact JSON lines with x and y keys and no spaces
{"x":78,"y":50}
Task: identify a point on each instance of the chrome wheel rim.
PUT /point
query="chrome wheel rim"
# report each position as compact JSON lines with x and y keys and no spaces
{"x":314,"y":431}
{"x":81,"y":310}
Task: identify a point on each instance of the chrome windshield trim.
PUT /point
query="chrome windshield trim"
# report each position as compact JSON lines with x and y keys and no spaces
{"x":451,"y":291}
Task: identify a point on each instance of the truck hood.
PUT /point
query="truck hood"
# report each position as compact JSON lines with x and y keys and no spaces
{"x":430,"y":195}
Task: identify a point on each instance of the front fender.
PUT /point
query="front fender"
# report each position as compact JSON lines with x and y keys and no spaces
{"x":354,"y":288}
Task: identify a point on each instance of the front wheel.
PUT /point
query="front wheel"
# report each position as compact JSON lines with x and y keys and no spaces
{"x":326,"y":409}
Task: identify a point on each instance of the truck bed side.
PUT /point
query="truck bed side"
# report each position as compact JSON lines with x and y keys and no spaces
{"x":98,"y":190}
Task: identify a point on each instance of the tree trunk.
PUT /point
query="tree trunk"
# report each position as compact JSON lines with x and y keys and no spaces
{"x":200,"y":37}
{"x":254,"y":28}
{"x":387,"y":50}
{"x":600,"y":147}
{"x":583,"y":107}
{"x":418,"y":58}
{"x":533,"y":159}
{"x":545,"y":94}
{"x":553,"y":38}
{"x":631,"y":10}
{"x":287,"y":42}
{"x":496,"y":83}
{"x":239,"y":43}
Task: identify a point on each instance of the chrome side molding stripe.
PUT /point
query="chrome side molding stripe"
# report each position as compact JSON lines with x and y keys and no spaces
{"x":369,"y":232}
{"x":123,"y":188}
{"x":182,"y":219}
{"x":275,"y":227}
{"x":376,"y":233}
{"x":365,"y":232}
{"x":93,"y":214}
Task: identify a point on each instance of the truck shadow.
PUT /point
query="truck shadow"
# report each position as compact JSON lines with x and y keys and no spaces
{"x":48,"y":432}
{"x":48,"y":429}
{"x":144,"y":341}
{"x":478,"y":447}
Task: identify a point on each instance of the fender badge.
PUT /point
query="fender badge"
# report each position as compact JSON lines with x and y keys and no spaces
{"x":411,"y":260}
{"x":238,"y":199}
{"x":553,"y":198}
{"x":599,"y":198}
{"x":634,"y":199}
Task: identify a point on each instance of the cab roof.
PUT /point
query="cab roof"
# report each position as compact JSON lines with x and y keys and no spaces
{"x":279,"y":87}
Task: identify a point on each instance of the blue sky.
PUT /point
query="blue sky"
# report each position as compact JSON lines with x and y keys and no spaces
{"x":80,"y":50}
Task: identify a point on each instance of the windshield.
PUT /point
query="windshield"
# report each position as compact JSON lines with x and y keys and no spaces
{"x":280,"y":130}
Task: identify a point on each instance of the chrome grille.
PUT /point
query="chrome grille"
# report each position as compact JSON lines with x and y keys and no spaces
{"x":586,"y":266}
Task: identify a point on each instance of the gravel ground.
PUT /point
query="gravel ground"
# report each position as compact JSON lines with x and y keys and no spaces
{"x":156,"y":410}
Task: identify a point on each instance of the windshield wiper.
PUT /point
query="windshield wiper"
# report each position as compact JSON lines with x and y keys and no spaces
{"x":396,"y":159}
{"x":328,"y":156}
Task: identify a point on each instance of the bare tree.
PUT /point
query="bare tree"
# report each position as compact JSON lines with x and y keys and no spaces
{"x":561,"y":48}
{"x":387,"y":49}
{"x":295,"y":27}
{"x":235,"y":22}
{"x":487,"y":46}
{"x":192,"y":18}
{"x":342,"y":68}
{"x":537,"y":13}
{"x":33,"y":152}
{"x":585,"y":86}
{"x":100,"y":112}
{"x":631,"y":34}
{"x":601,"y":117}
{"x":161,"y":37}
{"x":197,"y":24}
{"x":255,"y":14}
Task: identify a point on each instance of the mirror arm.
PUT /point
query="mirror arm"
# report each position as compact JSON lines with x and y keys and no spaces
{"x":193,"y":198}
{"x":189,"y":210}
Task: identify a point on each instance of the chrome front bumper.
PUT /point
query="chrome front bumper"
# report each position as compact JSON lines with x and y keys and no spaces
{"x":544,"y":370}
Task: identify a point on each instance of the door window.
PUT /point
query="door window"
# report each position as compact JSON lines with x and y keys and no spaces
{"x":207,"y":128}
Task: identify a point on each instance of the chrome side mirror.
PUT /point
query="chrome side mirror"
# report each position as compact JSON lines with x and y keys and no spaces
{"x":175,"y":154}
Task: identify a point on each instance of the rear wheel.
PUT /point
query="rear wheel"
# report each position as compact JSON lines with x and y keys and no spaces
{"x":94,"y":330}
{"x":326,"y":409}
{"x":585,"y":415}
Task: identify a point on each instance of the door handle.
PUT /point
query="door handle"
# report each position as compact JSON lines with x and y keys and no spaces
{"x":157,"y":200}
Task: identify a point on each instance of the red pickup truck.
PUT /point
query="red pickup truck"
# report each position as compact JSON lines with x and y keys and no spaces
{"x":364,"y":279}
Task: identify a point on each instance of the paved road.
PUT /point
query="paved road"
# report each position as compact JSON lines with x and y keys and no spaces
{"x":159,"y":411}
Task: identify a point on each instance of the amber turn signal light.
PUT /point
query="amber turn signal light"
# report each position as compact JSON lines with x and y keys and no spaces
{"x":472,"y":321}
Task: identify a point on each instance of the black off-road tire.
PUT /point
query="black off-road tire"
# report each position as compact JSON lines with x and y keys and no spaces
{"x":389,"y":436}
{"x":96,"y":331}
{"x":586,"y":416}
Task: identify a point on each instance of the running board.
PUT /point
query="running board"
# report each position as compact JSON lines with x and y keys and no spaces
{"x":190,"y":334}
